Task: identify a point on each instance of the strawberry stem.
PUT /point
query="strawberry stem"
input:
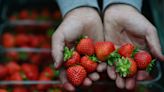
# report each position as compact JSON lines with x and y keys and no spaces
{"x":150,"y":66}
{"x":134,"y":52}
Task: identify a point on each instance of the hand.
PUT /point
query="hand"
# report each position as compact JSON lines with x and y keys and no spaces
{"x":80,"y":21}
{"x":122,"y":24}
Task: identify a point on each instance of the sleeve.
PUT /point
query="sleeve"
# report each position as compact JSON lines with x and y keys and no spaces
{"x":135,"y":3}
{"x":68,"y":5}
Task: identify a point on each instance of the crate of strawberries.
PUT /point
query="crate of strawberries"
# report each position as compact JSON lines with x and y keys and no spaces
{"x":31,"y":11}
{"x":26,"y":61}
{"x":127,"y":60}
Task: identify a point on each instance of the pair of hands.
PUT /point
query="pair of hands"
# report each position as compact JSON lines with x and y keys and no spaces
{"x":122,"y":23}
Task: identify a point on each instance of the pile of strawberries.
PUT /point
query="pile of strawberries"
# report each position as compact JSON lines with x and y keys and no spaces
{"x":82,"y":60}
{"x":10,"y":40}
{"x":34,"y":14}
{"x":12,"y":71}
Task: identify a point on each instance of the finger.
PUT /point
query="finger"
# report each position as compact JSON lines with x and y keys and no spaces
{"x":130,"y":83}
{"x":65,"y":82}
{"x":57,"y":48}
{"x":142,"y":75}
{"x":111,"y":72}
{"x":94,"y":76}
{"x":101,"y":67}
{"x":87,"y":82}
{"x":120,"y":83}
{"x":154,"y":44}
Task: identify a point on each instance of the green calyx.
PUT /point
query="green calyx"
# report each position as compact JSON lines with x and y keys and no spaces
{"x":122,"y":67}
{"x":150,"y":66}
{"x":67,"y":53}
{"x":24,"y":77}
{"x":134,"y":52}
{"x":93,"y":58}
{"x":113,"y":57}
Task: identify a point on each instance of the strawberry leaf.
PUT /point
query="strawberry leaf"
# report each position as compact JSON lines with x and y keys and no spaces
{"x":113,"y":57}
{"x":122,"y":67}
{"x":93,"y":58}
{"x":150,"y":66}
{"x":134,"y":52}
{"x":67,"y":53}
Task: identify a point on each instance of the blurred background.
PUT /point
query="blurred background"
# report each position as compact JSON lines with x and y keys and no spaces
{"x":26,"y":64}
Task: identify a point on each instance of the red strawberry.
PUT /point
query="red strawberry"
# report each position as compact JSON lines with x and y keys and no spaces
{"x":3,"y":90}
{"x":22,"y":40}
{"x":76,"y":74}
{"x":34,"y":41}
{"x":71,"y":57}
{"x":33,"y":15}
{"x":31,"y":71}
{"x":45,"y":14}
{"x":13,"y":18}
{"x":126,"y":50}
{"x":50,"y":72}
{"x":103,"y":50}
{"x":35,"y":58}
{"x":85,"y":46}
{"x":20,"y":89}
{"x":13,"y":55}
{"x":3,"y":71}
{"x":24,"y":14}
{"x":13,"y":67}
{"x":126,"y":67}
{"x":88,"y":63}
{"x":8,"y":40}
{"x":16,"y":76}
{"x":143,"y":59}
{"x":56,"y":15}
{"x":43,"y":86}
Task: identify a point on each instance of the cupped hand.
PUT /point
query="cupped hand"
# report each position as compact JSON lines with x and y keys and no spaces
{"x":80,"y":21}
{"x":122,"y":24}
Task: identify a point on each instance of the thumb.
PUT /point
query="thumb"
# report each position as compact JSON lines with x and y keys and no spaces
{"x":57,"y":48}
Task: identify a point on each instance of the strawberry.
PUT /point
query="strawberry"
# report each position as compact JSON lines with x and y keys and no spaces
{"x":89,"y":63}
{"x":21,"y":39}
{"x":126,"y":67}
{"x":43,"y":86}
{"x":76,"y":74}
{"x":35,"y":58}
{"x":3,"y":71}
{"x":103,"y":50}
{"x":8,"y":40}
{"x":16,"y":76}
{"x":30,"y":71}
{"x":143,"y":59}
{"x":13,"y":55}
{"x":3,"y":90}
{"x":85,"y":46}
{"x":71,"y":57}
{"x":56,"y":15}
{"x":126,"y":50}
{"x":20,"y":89}
{"x":24,"y":14}
{"x":13,"y":67}
{"x":34,"y":41}
{"x":50,"y":72}
{"x":33,"y":15}
{"x":13,"y":17}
